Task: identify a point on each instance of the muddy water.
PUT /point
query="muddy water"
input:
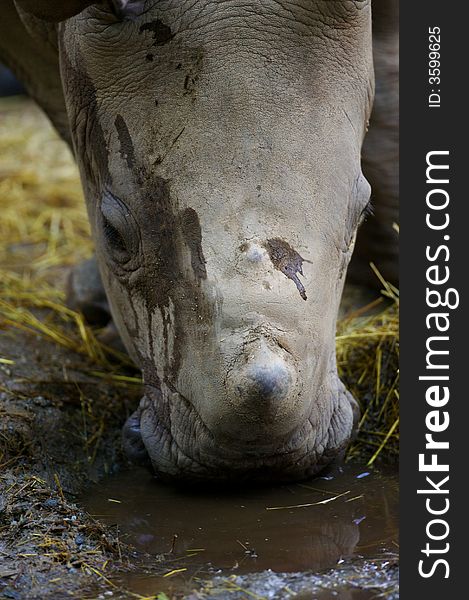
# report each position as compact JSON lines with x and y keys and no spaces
{"x":296,"y":528}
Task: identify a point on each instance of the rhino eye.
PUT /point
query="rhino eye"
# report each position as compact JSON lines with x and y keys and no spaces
{"x":368,"y":211}
{"x":361,"y":195}
{"x":119,"y":231}
{"x":114,"y":238}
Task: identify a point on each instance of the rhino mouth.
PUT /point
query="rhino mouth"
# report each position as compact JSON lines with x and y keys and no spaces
{"x":183,"y":448}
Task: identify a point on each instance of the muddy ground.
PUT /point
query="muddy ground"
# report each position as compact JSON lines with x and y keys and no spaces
{"x":59,"y":431}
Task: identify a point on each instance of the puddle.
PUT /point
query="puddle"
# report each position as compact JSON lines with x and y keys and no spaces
{"x":199,"y":533}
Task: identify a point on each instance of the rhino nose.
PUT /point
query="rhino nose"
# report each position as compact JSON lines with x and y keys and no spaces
{"x":263,"y":380}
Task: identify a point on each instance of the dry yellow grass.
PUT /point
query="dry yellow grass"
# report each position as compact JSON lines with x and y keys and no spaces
{"x":44,"y":229}
{"x":368,"y":362}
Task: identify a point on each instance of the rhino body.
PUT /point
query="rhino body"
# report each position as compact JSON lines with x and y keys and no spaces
{"x":219,"y":146}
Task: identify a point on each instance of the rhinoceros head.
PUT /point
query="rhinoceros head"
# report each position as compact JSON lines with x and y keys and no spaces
{"x":219,"y":147}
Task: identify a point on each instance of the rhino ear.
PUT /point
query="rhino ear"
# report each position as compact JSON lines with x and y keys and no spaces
{"x":59,"y":10}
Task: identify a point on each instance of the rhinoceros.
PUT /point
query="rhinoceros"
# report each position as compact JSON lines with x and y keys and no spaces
{"x":219,"y":147}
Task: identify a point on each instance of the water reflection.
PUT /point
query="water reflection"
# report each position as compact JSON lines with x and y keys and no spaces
{"x":303,"y":527}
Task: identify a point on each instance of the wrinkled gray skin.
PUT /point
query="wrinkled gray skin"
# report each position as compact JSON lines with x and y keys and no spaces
{"x":219,"y":149}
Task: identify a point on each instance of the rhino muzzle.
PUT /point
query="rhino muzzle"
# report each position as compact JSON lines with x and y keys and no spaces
{"x":262,"y":391}
{"x":266,"y":429}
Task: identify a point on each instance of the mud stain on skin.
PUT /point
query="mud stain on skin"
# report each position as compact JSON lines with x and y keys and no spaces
{"x":162,"y":33}
{"x":160,"y":234}
{"x":171,"y":237}
{"x":287,"y":260}
{"x":168,"y":281}
{"x":126,"y":145}
{"x":193,"y":238}
{"x":89,"y":136}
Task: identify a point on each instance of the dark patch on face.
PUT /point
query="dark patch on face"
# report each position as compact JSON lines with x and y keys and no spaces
{"x":126,"y":145}
{"x":161,"y":33}
{"x":193,"y":237}
{"x":168,"y":235}
{"x":87,"y":133}
{"x":149,"y":57}
{"x":161,"y":277}
{"x":287,"y":260}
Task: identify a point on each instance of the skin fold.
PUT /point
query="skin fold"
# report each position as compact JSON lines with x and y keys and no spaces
{"x":219,"y":147}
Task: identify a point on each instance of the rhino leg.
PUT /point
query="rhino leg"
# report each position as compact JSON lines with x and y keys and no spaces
{"x":85,"y":293}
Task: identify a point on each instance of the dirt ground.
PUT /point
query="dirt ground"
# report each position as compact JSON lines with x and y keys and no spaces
{"x":59,"y":430}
